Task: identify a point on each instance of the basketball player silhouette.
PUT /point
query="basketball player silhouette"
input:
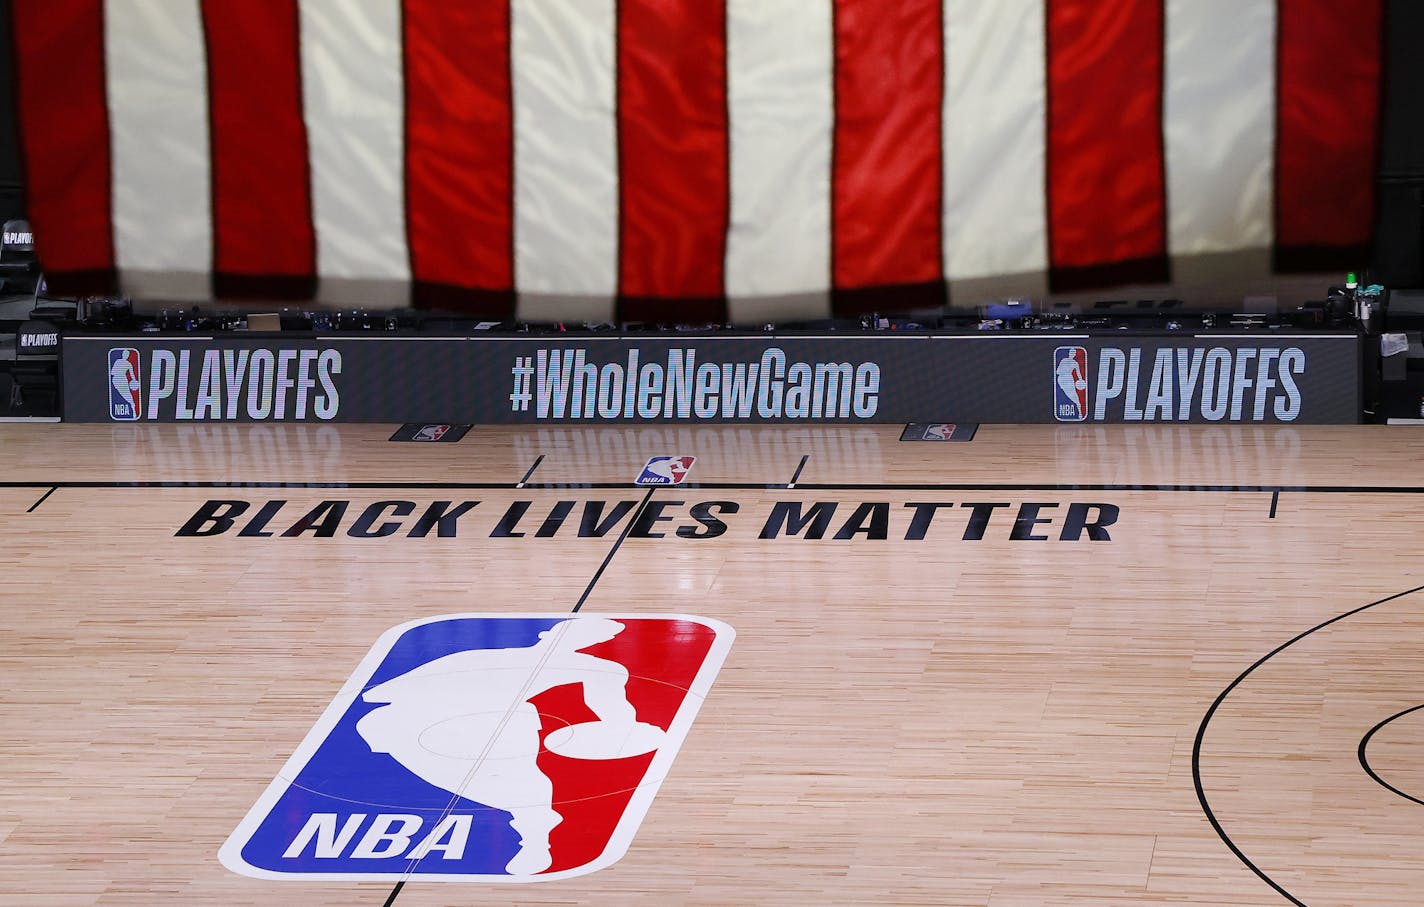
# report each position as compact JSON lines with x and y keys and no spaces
{"x":1072,"y":382}
{"x":464,"y":723}
{"x":123,"y":378}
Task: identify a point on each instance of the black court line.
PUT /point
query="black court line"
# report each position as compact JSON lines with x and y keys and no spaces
{"x":797,"y":474}
{"x":1365,"y":760}
{"x":756,"y":486}
{"x":1275,"y":498}
{"x":42,"y":500}
{"x":637,"y":512}
{"x":394,"y":893}
{"x":525,"y":481}
{"x":1211,"y":712}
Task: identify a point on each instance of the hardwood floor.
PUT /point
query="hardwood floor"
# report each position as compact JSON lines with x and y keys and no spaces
{"x":1053,"y":666}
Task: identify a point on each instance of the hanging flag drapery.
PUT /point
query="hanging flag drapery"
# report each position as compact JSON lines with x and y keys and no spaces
{"x":689,"y":160}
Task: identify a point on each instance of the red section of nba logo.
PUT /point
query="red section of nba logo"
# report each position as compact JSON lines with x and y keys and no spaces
{"x":660,"y":673}
{"x":665,"y":470}
{"x":1070,"y":384}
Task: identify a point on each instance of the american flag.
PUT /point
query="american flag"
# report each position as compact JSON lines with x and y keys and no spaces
{"x":689,"y":159}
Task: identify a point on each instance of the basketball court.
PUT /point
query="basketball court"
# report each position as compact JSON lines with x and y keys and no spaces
{"x":1056,"y":665}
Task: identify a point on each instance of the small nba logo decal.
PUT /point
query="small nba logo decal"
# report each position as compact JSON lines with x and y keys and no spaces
{"x":939,"y":431}
{"x":432,"y":433}
{"x":486,"y":748}
{"x":665,"y":471}
{"x":1070,"y":384}
{"x":125,"y":399}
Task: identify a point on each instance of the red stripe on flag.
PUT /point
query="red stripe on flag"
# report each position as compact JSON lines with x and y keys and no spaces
{"x":459,"y":141}
{"x":672,"y":151}
{"x":1107,"y":209}
{"x":1327,"y":130}
{"x":64,"y":135}
{"x":264,"y":245}
{"x":887,"y":173}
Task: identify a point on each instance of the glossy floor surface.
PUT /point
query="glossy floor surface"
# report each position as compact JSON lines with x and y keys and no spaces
{"x":1051,"y":666}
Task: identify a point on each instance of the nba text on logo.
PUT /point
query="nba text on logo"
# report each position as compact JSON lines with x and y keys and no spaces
{"x":125,"y":396}
{"x":486,"y":747}
{"x":665,"y":471}
{"x":1070,"y":384}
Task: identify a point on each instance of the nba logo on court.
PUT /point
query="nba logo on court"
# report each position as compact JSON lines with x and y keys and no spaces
{"x":1070,"y":384}
{"x":486,"y":747}
{"x":432,"y":433}
{"x":665,"y":470}
{"x":124,"y":382}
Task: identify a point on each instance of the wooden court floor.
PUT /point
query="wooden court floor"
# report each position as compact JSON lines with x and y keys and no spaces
{"x":1051,"y":666}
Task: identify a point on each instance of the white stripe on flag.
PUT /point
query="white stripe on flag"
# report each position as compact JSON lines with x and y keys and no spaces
{"x":565,"y":158}
{"x":352,"y":90}
{"x":1219,"y":102}
{"x":781,"y":117}
{"x":995,"y":220}
{"x":158,"y":121}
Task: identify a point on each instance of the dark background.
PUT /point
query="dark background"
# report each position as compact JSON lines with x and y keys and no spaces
{"x":1399,"y":224}
{"x":11,"y":177}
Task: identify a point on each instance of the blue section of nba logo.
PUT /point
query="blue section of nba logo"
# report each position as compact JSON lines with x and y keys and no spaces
{"x":125,"y":381}
{"x":1070,"y":384}
{"x":352,"y":810}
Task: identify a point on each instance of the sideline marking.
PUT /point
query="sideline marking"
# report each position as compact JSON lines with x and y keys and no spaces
{"x":757,"y":486}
